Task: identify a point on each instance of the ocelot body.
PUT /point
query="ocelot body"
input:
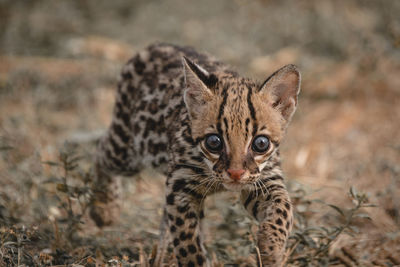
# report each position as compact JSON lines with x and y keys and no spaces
{"x":208,"y":130}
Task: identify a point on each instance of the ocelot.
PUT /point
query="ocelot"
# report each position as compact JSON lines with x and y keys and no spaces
{"x":208,"y":130}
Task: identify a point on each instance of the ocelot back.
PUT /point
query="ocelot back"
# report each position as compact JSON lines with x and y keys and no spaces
{"x":208,"y":130}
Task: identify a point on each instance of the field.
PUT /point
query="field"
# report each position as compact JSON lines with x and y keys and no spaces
{"x":59,"y":63}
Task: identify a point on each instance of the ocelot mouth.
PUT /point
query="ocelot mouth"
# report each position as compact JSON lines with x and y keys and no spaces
{"x":233,"y":186}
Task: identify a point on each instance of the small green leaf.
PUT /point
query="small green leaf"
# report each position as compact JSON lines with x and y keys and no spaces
{"x":53,"y":180}
{"x":363,"y":215}
{"x":354,"y":229}
{"x":337,"y":209}
{"x":353,"y":192}
{"x":51,"y":163}
{"x":369,"y":206}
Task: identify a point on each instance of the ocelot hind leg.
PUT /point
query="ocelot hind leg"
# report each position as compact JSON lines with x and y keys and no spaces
{"x":111,"y":160}
{"x":114,"y":156}
{"x":105,"y":204}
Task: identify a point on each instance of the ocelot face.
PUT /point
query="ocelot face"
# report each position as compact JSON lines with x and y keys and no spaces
{"x":238,"y":123}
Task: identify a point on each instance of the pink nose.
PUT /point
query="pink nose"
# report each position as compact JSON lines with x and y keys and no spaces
{"x":235,"y":174}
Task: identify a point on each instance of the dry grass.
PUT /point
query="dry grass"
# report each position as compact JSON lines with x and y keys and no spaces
{"x":341,"y":154}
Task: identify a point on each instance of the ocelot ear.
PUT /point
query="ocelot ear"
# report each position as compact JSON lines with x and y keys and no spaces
{"x":197,"y":91}
{"x":282,"y":87}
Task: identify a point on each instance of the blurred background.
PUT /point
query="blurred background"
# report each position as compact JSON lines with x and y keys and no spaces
{"x":59,"y":63}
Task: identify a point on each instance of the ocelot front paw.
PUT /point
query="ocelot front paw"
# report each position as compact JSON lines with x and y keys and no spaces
{"x":104,"y":212}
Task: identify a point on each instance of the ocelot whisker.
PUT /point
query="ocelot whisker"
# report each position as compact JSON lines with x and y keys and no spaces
{"x":255,"y":189}
{"x":206,"y":182}
{"x":265,"y":186}
{"x":208,"y":189}
{"x":259,"y":183}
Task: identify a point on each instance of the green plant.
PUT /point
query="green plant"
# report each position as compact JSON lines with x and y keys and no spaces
{"x":310,"y":245}
{"x":74,"y":192}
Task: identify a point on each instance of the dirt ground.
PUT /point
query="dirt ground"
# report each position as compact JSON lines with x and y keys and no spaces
{"x":59,"y":63}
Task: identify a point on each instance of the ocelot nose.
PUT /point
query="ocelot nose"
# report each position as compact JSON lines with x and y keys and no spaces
{"x":235,"y":174}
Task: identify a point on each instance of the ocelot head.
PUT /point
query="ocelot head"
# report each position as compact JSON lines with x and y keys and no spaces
{"x":239,"y":123}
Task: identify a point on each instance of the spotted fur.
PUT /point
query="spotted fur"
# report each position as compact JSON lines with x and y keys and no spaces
{"x":169,"y":100}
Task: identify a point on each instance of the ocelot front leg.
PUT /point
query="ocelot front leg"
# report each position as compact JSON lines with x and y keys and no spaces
{"x":270,"y":205}
{"x":184,"y":206}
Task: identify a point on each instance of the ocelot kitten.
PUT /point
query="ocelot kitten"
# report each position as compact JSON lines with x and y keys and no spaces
{"x":208,"y":130}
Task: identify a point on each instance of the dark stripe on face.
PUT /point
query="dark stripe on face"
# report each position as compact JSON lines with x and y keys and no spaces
{"x":226,"y":127}
{"x":221,"y":110}
{"x":226,"y":123}
{"x":247,"y":127}
{"x":255,"y":126}
{"x":251,"y":107}
{"x":219,"y":129}
{"x":222,"y":106}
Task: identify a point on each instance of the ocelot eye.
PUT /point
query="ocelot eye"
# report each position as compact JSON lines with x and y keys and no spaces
{"x":214,"y":143}
{"x":260,"y":144}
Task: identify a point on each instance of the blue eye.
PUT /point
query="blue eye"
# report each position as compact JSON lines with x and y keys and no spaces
{"x":213,"y":143}
{"x":260,"y":144}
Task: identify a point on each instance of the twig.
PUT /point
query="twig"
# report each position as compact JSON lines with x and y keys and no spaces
{"x":259,"y":262}
{"x":289,"y":252}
